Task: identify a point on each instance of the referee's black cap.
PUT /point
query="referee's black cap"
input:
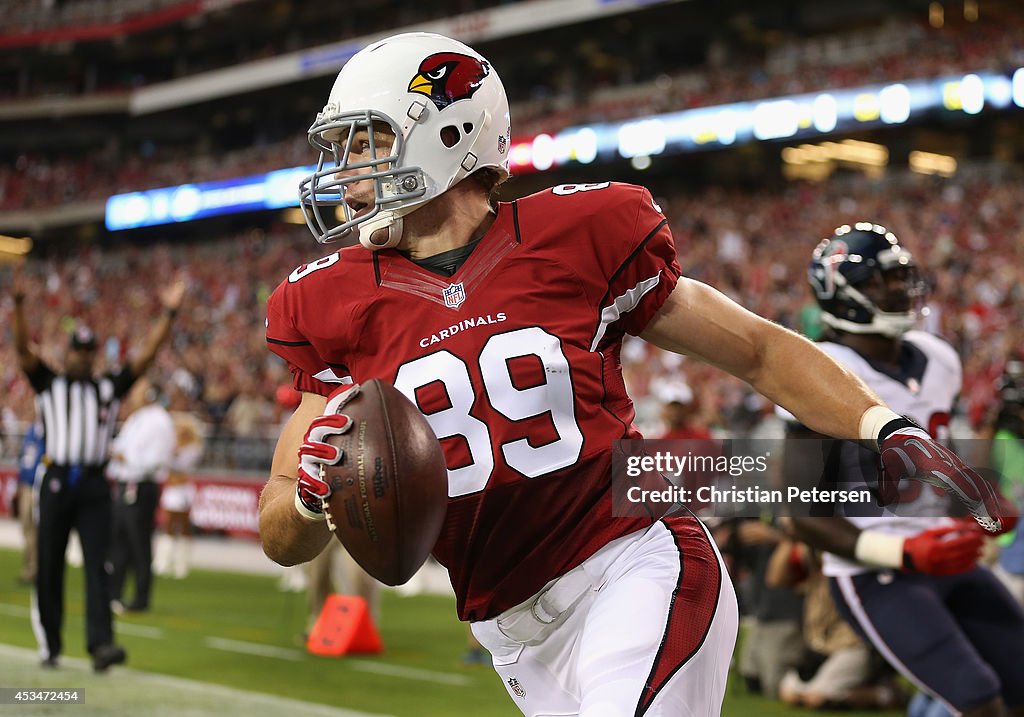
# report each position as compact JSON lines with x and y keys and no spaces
{"x":83,"y":338}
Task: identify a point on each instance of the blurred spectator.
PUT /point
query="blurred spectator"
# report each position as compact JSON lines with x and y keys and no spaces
{"x":30,"y":467}
{"x":837,"y":670}
{"x":246,"y":422}
{"x":772,"y":643}
{"x":173,"y":549}
{"x":140,"y":456}
{"x":681,"y":412}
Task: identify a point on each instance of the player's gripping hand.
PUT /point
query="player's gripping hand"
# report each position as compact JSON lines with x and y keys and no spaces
{"x":312,"y":490}
{"x":909,"y":452}
{"x":948,"y":550}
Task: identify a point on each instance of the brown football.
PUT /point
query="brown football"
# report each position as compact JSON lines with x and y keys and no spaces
{"x":389,"y":492}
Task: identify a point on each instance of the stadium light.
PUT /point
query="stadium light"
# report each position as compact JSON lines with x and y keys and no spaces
{"x":894,"y":101}
{"x":931,"y":163}
{"x":972,"y":94}
{"x":797,"y":116}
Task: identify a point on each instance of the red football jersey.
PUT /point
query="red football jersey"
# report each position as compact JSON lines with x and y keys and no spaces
{"x":514,"y":361}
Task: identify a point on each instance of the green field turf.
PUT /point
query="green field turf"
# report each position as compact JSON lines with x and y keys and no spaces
{"x":225,"y":630}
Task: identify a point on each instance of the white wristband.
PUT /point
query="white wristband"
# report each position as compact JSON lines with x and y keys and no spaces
{"x":883,"y":550}
{"x":873,"y":420}
{"x":306,"y":512}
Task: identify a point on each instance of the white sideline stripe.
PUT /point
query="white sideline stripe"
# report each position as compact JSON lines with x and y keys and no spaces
{"x":253,"y":648}
{"x":229,"y":695}
{"x":127,"y":628}
{"x":411,"y":673}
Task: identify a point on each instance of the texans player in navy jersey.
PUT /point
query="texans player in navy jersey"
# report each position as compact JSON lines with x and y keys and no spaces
{"x":907,"y":578}
{"x":503,"y":322}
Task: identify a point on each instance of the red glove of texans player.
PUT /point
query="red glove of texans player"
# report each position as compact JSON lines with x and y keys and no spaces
{"x":948,"y":550}
{"x":909,"y":452}
{"x":312,"y":490}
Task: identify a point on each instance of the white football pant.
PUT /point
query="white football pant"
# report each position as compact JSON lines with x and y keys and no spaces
{"x":645,"y":627}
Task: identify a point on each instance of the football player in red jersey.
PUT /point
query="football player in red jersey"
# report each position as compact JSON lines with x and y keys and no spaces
{"x":503,"y":322}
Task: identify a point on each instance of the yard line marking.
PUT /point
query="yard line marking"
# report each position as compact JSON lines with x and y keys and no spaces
{"x":14,"y":610}
{"x":381,"y":668}
{"x":253,"y":648}
{"x":129,"y":628}
{"x":411,"y":673}
{"x":271,"y":704}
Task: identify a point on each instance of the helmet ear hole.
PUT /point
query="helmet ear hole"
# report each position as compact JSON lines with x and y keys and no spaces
{"x":467,"y":127}
{"x":450,"y":136}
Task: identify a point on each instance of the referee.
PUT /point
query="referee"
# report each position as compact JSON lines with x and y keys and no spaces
{"x":78,"y":410}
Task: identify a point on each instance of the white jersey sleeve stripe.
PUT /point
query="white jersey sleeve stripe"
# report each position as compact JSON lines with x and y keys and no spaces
{"x":328,"y":376}
{"x":623,"y":304}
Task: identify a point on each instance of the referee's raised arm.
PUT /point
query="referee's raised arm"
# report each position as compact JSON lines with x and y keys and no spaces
{"x":27,"y":358}
{"x":171,"y":298}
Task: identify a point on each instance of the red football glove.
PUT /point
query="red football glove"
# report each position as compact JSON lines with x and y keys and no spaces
{"x":1009,"y":516}
{"x":909,"y":452}
{"x":948,"y":550}
{"x":312,"y":490}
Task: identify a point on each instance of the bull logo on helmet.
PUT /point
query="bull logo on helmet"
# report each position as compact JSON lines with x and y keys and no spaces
{"x":448,"y":77}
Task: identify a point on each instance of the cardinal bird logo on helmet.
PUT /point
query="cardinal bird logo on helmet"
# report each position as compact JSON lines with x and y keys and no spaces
{"x":448,"y":77}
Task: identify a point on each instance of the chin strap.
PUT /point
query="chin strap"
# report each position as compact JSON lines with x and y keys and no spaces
{"x":384,"y":222}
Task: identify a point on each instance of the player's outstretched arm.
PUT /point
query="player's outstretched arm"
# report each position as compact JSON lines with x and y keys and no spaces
{"x":699,"y":321}
{"x":797,"y":375}
{"x":288,"y":537}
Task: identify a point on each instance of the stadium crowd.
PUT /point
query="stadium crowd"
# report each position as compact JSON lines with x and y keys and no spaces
{"x":752,"y":245}
{"x":603,"y":78}
{"x":28,"y":15}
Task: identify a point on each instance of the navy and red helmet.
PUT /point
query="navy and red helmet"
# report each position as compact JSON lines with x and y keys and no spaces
{"x":845,"y":263}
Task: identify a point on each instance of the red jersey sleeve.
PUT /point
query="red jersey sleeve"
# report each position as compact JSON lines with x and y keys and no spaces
{"x":646,"y":276}
{"x":631,"y":267}
{"x":310,"y":373}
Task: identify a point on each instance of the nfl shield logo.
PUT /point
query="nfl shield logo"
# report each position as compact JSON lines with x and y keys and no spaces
{"x":517,"y":689}
{"x":454,"y":295}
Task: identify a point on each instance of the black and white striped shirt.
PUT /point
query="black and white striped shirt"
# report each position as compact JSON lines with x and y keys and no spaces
{"x":78,"y":416}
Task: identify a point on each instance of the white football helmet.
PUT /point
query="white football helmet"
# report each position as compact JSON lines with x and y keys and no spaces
{"x":448,"y":111}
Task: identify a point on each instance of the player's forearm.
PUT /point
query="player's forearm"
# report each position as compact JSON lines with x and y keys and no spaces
{"x":834,"y":535}
{"x":785,"y":367}
{"x":287,"y":537}
{"x":800,"y":377}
